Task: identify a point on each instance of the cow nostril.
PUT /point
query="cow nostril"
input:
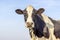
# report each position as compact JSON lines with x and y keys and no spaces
{"x":28,"y":23}
{"x":31,"y":23}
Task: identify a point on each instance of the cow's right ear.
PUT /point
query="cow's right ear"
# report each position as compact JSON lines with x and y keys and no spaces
{"x":19,"y":11}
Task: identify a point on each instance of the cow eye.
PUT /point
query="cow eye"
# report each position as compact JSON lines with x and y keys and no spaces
{"x":25,"y":16}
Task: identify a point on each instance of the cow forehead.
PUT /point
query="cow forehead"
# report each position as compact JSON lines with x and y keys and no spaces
{"x":29,"y":9}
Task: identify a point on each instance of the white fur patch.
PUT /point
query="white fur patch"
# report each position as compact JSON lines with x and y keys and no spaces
{"x":29,"y":10}
{"x":47,"y":20}
{"x":50,"y":26}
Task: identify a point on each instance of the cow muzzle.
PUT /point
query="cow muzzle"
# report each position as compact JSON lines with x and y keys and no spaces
{"x":29,"y":24}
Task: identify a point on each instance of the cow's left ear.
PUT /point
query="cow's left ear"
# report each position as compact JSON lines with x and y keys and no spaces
{"x":41,"y":10}
{"x":19,"y":11}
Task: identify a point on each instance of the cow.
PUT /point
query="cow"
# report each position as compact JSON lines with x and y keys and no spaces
{"x":40,"y":25}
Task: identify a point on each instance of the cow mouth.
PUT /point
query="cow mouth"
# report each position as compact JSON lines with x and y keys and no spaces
{"x":29,"y":26}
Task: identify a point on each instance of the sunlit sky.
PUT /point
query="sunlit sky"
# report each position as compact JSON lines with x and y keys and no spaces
{"x":12,"y":25}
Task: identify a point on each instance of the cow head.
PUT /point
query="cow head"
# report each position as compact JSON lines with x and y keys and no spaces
{"x":29,"y":13}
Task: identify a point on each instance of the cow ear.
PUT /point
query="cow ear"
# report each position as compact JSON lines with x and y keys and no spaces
{"x":19,"y":11}
{"x":41,"y":10}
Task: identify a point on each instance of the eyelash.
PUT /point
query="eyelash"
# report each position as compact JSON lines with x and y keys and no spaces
{"x":25,"y":17}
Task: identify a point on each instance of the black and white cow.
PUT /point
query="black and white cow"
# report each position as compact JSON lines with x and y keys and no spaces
{"x":39,"y":24}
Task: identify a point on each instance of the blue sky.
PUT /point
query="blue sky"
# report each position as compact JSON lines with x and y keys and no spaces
{"x":12,"y":26}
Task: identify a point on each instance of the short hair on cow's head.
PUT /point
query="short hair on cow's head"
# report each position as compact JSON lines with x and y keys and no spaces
{"x":28,"y":13}
{"x":39,"y":11}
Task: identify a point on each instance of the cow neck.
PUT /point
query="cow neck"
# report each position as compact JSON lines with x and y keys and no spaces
{"x":47,"y":21}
